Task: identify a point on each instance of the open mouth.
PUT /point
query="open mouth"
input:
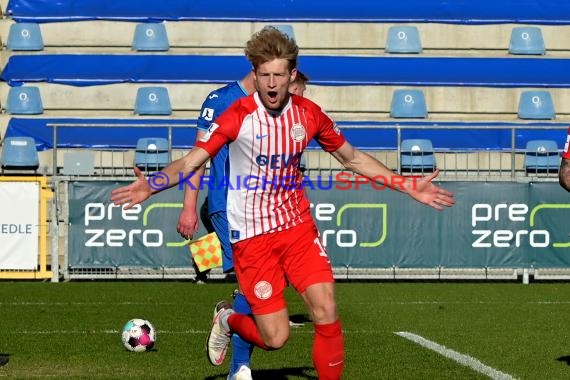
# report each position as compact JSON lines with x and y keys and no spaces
{"x":272,"y":95}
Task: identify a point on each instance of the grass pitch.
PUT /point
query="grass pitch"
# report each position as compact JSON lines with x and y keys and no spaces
{"x":72,"y":330}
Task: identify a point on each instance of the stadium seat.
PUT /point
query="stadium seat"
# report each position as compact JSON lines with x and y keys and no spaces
{"x":150,"y":37}
{"x":25,"y":100}
{"x":536,"y":105}
{"x":541,"y":156}
{"x":25,"y":36}
{"x":417,"y":155}
{"x":285,"y":29}
{"x":19,"y":153}
{"x":153,"y":101}
{"x":408,"y":103}
{"x":79,"y":163}
{"x":527,"y":40}
{"x":403,"y":39}
{"x":152,"y":153}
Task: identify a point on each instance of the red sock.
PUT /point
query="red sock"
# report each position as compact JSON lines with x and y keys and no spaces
{"x":245,"y":327}
{"x":328,"y":351}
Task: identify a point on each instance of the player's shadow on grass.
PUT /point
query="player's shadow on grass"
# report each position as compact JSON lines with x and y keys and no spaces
{"x":299,"y":318}
{"x":565,"y":359}
{"x":4,"y":359}
{"x":276,"y":374}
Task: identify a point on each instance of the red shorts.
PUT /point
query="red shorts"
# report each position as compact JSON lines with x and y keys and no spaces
{"x":265,"y":263}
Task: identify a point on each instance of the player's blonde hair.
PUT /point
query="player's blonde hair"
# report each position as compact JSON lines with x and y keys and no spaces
{"x":269,"y":44}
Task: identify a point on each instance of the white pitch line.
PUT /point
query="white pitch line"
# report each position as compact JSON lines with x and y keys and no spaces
{"x":91,"y":332}
{"x":460,"y":358}
{"x":130,"y":303}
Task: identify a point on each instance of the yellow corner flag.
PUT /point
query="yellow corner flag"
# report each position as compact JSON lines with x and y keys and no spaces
{"x":207,"y":252}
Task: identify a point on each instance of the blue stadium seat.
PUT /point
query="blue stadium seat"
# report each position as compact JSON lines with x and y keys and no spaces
{"x":153,"y":101}
{"x":527,"y":40}
{"x":25,"y":100}
{"x":285,"y":29}
{"x":25,"y":36}
{"x":151,"y":153}
{"x":408,"y":103}
{"x":541,"y":156}
{"x":417,"y":156}
{"x":150,"y":37}
{"x":536,"y":105}
{"x":403,"y":39}
{"x":19,"y":153}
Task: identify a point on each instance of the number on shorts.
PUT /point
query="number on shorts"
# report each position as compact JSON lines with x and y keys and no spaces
{"x":320,"y":245}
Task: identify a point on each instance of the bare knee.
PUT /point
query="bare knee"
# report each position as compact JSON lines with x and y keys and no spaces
{"x":321,"y":302}
{"x":276,"y":341}
{"x":325,"y":312}
{"x":274,"y":329}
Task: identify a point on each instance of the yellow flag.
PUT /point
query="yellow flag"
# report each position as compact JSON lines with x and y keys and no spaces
{"x":207,"y":252}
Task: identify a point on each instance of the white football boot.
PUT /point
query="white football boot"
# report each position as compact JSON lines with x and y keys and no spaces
{"x":219,"y":338}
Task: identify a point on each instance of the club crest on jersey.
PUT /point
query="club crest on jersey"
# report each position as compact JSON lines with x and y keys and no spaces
{"x":209,"y":132}
{"x":263,"y":290}
{"x":298,"y":132}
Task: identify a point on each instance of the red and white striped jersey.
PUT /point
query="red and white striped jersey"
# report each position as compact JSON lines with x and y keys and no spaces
{"x":566,"y":152}
{"x":264,"y":153}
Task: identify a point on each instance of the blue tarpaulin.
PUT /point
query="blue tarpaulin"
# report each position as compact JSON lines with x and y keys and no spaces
{"x":364,"y":135}
{"x":441,"y":11}
{"x":97,"y":69}
{"x":98,"y":133}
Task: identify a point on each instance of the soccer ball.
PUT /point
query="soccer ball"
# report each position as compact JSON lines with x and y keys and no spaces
{"x":138,"y":335}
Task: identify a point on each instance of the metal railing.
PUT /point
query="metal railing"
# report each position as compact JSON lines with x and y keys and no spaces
{"x":503,"y":163}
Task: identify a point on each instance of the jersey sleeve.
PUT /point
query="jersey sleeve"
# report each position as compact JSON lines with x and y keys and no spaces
{"x":210,"y":111}
{"x":329,"y":135}
{"x":222,"y":131}
{"x":566,"y":152}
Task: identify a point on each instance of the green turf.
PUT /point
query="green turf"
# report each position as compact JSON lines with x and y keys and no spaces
{"x":71,"y":330}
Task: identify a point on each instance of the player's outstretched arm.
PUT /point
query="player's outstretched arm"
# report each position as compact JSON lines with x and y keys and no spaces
{"x":425,"y":191}
{"x":135,"y":193}
{"x":564,"y":174}
{"x":421,"y":189}
{"x":141,"y":189}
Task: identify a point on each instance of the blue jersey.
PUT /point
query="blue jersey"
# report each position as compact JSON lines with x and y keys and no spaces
{"x":216,"y":103}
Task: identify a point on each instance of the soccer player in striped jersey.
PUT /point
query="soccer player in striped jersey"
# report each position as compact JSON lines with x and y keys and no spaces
{"x":215,"y":104}
{"x":273,"y":235}
{"x":564,"y":172}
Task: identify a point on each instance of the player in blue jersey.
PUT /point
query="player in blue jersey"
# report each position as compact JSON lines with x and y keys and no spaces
{"x":216,"y":103}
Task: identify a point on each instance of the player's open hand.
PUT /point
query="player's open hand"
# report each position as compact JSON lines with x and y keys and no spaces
{"x":135,"y":193}
{"x":187,"y":222}
{"x":424,"y":191}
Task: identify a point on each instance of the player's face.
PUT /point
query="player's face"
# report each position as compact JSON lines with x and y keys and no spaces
{"x":272,"y":81}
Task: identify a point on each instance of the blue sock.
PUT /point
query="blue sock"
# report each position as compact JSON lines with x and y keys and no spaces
{"x":241,"y":350}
